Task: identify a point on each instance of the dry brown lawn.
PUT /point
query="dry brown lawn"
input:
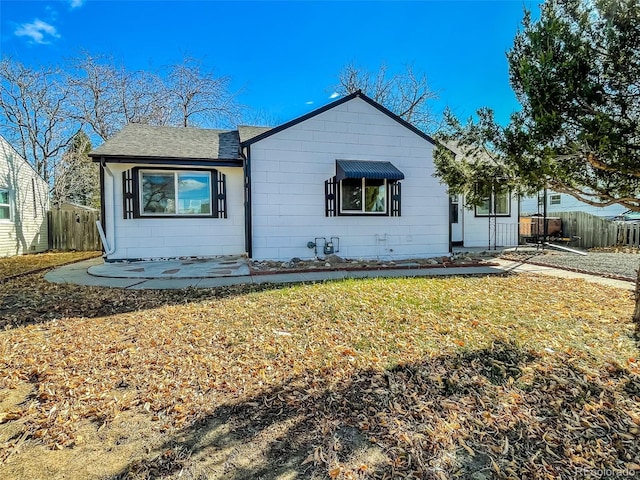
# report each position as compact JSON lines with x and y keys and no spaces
{"x":21,"y":264}
{"x":501,"y":377}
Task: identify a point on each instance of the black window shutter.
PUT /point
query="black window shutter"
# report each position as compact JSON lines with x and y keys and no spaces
{"x":330,"y":197}
{"x":396,"y":198}
{"x":128,"y":204}
{"x":221,"y":195}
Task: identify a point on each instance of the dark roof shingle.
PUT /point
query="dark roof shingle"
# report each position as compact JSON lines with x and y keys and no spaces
{"x":248,"y":132}
{"x":137,"y":140}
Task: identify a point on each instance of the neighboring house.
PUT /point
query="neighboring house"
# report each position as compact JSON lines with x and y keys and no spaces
{"x":350,"y":178}
{"x":24,"y":201}
{"x":561,"y":202}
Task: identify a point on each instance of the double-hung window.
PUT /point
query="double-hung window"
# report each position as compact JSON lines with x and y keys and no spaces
{"x":5,"y":205}
{"x":498,"y":204}
{"x":362,"y":187}
{"x":175,"y":193}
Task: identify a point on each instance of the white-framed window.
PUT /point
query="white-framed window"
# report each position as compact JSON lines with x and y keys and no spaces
{"x":498,"y":204}
{"x":5,"y":205}
{"x":175,"y":193}
{"x":555,"y":199}
{"x":363,"y":196}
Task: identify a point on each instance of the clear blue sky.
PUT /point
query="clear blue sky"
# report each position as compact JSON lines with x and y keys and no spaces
{"x":284,"y":56}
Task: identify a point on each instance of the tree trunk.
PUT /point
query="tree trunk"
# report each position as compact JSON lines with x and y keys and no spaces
{"x":636,"y":312}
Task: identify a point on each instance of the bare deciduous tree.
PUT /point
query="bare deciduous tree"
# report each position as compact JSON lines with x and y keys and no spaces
{"x":33,"y":114}
{"x":198,"y":97}
{"x":107,"y":97}
{"x":42,"y":111}
{"x":405,"y":94}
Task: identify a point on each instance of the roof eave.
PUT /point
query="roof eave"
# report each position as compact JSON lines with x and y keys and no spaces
{"x":149,"y":160}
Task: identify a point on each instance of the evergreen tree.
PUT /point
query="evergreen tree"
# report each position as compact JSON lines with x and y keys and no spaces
{"x":76,"y":176}
{"x":576,"y":73}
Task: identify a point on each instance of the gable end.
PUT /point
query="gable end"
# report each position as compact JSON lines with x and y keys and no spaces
{"x":357,"y":94}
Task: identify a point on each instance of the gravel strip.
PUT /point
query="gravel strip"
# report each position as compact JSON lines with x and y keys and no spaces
{"x":601,"y":263}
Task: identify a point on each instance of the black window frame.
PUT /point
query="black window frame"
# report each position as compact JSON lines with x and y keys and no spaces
{"x":492,"y":206}
{"x":454,"y":213}
{"x":333,"y":200}
{"x":132,"y":193}
{"x":363,"y":212}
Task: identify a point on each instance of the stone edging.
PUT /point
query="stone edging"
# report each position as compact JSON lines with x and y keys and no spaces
{"x":253,"y":272}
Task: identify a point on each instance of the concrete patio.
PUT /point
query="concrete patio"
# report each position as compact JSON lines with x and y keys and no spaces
{"x":228,"y":271}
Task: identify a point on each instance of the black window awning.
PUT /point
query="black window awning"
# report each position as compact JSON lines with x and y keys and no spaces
{"x":367,"y":169}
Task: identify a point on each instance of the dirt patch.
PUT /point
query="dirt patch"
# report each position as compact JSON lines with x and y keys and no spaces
{"x":99,"y":450}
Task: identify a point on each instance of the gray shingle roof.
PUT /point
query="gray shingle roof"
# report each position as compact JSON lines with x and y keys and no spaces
{"x":247,"y":132}
{"x":136,"y":140}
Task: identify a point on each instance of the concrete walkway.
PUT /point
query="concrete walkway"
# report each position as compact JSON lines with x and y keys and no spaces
{"x":520,"y":267}
{"x":176,"y":274}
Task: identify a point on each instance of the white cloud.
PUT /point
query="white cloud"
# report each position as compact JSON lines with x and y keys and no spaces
{"x":76,"y":3}
{"x":190,"y":184}
{"x":310,"y":102}
{"x":38,"y":31}
{"x":334,"y":95}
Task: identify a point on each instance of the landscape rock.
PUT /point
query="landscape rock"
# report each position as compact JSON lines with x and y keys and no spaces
{"x":334,"y":259}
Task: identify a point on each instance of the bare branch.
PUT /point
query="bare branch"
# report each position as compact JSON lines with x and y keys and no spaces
{"x":407,"y":94}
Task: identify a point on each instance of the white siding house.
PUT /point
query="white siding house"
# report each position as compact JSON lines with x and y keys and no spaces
{"x":289,"y":168}
{"x":473,"y":227}
{"x":171,"y":192}
{"x":491,"y":225}
{"x":350,"y":178}
{"x":24,"y":201}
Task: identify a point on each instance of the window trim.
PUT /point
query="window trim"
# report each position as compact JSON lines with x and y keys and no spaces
{"x":33,"y":192}
{"x":7,"y":205}
{"x":363,"y":213}
{"x":492,"y":205}
{"x":555,"y":199}
{"x":137,"y":197}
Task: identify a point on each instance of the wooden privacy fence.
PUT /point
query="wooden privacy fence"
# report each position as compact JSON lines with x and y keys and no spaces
{"x":73,"y":230}
{"x":629,"y":234}
{"x":597,"y":231}
{"x":593,"y":231}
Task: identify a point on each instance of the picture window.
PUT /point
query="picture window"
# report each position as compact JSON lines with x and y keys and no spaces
{"x":175,"y":193}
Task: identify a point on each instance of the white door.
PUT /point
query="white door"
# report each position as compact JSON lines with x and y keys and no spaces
{"x":455,"y":217}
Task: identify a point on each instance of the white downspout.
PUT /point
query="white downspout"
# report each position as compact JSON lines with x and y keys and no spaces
{"x":108,"y":250}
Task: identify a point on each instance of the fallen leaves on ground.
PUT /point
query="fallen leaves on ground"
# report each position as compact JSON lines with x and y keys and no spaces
{"x":519,"y":376}
{"x":21,"y":264}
